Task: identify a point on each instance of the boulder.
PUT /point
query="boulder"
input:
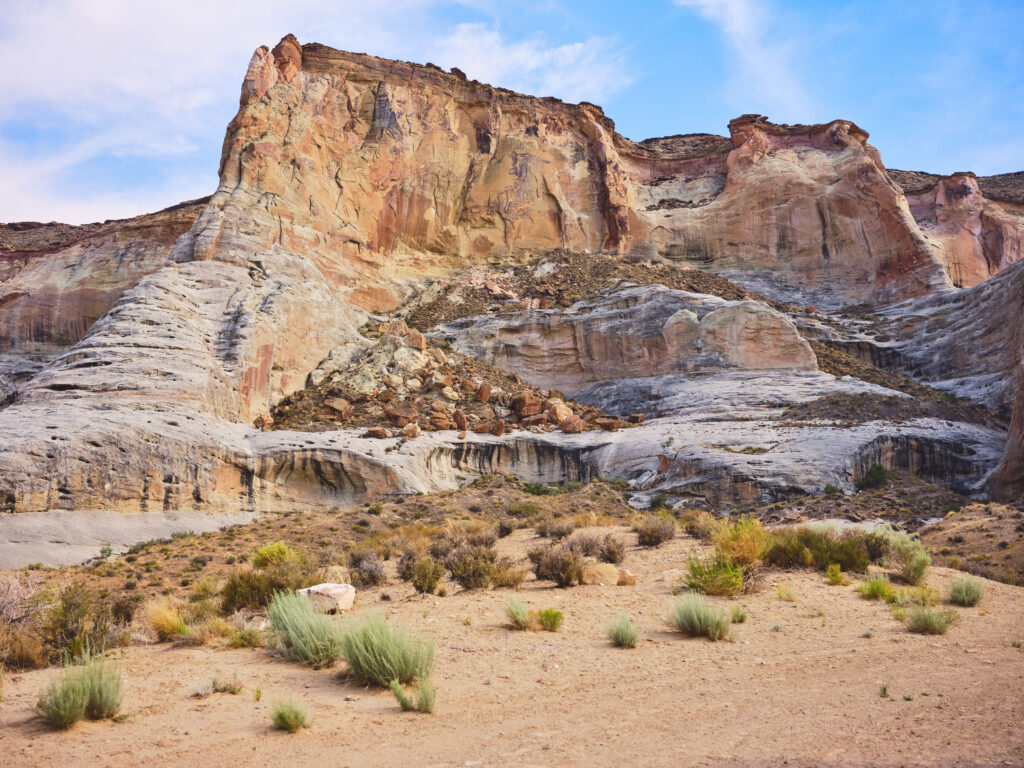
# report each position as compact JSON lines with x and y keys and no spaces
{"x":340,"y":406}
{"x":330,"y":597}
{"x":626,"y":578}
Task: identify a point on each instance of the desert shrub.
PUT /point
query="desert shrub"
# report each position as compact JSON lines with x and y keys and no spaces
{"x":966,"y":591}
{"x":699,"y":523}
{"x":742,"y":543}
{"x":525,"y":509}
{"x":876,"y":542}
{"x":247,"y":637}
{"x":425,"y":696}
{"x":612,"y":550}
{"x":558,"y":564}
{"x":252,"y":588}
{"x":878,"y":587}
{"x":123,"y":608}
{"x":427,"y":574}
{"x":472,"y":567}
{"x":204,"y":589}
{"x":537,"y":489}
{"x":506,"y":526}
{"x":164,"y":618}
{"x":621,"y":633}
{"x":379,"y":653}
{"x":290,"y":717}
{"x":21,"y":615}
{"x":714,"y":577}
{"x":916,"y":596}
{"x":518,"y":614}
{"x":406,"y":563}
{"x":807,"y":547}
{"x":273,"y":554}
{"x":834,"y":575}
{"x":440,"y":548}
{"x":925,"y":621}
{"x":587,"y":544}
{"x":875,"y":477}
{"x":908,"y":557}
{"x":366,"y":569}
{"x":695,"y":618}
{"x":655,"y":530}
{"x":550,"y":619}
{"x":484,"y":538}
{"x":304,"y":634}
{"x":832,"y":490}
{"x":555,"y":528}
{"x":63,"y":702}
{"x":75,"y":621}
{"x":507,"y":575}
{"x":659,"y":501}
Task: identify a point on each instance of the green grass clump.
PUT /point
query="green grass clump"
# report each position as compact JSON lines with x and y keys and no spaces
{"x":738,"y":615}
{"x":379,"y":653}
{"x":290,"y":717}
{"x":272,"y":554}
{"x":878,"y":587}
{"x":966,"y":591}
{"x":550,"y":619}
{"x":907,"y":555}
{"x":425,"y":696}
{"x":695,"y":618}
{"x":818,"y":547}
{"x":925,"y":621}
{"x":655,"y":530}
{"x":518,"y":614}
{"x":246,"y":638}
{"x":622,"y":633}
{"x":834,"y":575}
{"x":103,"y":683}
{"x":92,"y":688}
{"x":304,"y":634}
{"x":537,"y":489}
{"x":714,"y":577}
{"x":426,"y":575}
{"x":742,"y":543}
{"x":63,"y":702}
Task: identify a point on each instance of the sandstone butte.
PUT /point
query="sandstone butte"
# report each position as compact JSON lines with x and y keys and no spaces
{"x":137,"y":355}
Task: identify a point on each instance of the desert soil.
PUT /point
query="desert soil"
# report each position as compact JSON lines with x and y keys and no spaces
{"x":799,"y":685}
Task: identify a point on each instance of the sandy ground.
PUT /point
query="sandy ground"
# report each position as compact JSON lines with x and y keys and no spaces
{"x":798,"y":686}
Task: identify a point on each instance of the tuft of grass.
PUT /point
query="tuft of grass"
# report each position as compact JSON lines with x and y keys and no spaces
{"x":290,"y":717}
{"x":695,"y":618}
{"x":655,"y":530}
{"x":925,"y":621}
{"x":246,"y":638}
{"x":622,"y":633}
{"x":518,"y":614}
{"x":304,"y":634}
{"x":550,"y":619}
{"x":91,"y":687}
{"x":252,"y":588}
{"x":425,"y":696}
{"x":103,"y":682}
{"x":835,"y":577}
{"x":966,"y":591}
{"x":231,"y":686}
{"x":165,"y":619}
{"x":738,"y":615}
{"x":63,"y":702}
{"x":883,"y":691}
{"x":906,"y":553}
{"x":786,"y":592}
{"x":878,"y":587}
{"x":742,"y":543}
{"x":714,"y":577}
{"x":379,"y":653}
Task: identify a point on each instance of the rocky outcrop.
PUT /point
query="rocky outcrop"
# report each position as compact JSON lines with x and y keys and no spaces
{"x":1008,"y":482}
{"x":631,"y":333}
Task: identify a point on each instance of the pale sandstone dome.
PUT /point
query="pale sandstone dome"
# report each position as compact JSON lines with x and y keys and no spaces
{"x":348,"y":182}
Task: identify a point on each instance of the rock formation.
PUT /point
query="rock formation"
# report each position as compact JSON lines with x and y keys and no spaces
{"x":138,"y":357}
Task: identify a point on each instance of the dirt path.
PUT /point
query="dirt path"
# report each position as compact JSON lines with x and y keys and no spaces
{"x":799,"y":686}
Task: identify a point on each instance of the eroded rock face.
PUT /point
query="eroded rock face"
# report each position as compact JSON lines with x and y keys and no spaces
{"x":631,"y":333}
{"x":1008,"y":482}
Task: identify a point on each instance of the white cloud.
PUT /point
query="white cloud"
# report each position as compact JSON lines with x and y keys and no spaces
{"x":764,"y":81}
{"x":591,"y":70}
{"x":154,"y":80}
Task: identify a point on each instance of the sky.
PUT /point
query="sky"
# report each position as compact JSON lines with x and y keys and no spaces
{"x":111,"y":108}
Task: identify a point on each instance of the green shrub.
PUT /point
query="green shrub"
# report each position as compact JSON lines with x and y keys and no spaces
{"x":550,"y":619}
{"x":659,"y":501}
{"x":63,"y":702}
{"x":695,"y":618}
{"x":926,"y":621}
{"x":714,"y":577}
{"x":427,"y":574}
{"x":525,"y":509}
{"x":304,"y":634}
{"x":472,"y":567}
{"x":253,"y":588}
{"x":742,"y":543}
{"x":738,"y":615}
{"x":90,"y":688}
{"x":273,"y":554}
{"x":613,"y":550}
{"x":425,"y":696}
{"x":366,"y":569}
{"x":558,"y":564}
{"x":655,"y":530}
{"x":537,"y":489}
{"x":290,"y":717}
{"x":103,"y":683}
{"x":378,"y":653}
{"x":807,"y":547}
{"x":518,"y":614}
{"x":908,"y":557}
{"x":699,"y":523}
{"x":246,"y":638}
{"x":875,"y":477}
{"x":834,"y":575}
{"x":622,"y":633}
{"x":77,"y":621}
{"x":833,"y":490}
{"x":878,"y":587}
{"x":966,"y":591}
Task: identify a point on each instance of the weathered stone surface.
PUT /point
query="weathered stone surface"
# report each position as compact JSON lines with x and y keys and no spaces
{"x":330,"y":597}
{"x":633,"y":332}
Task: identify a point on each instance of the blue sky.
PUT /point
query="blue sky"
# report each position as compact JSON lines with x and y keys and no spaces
{"x":111,"y":108}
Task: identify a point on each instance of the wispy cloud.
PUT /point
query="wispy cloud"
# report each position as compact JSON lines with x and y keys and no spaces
{"x":764,"y":80}
{"x":590,"y":70}
{"x":122,"y":78}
